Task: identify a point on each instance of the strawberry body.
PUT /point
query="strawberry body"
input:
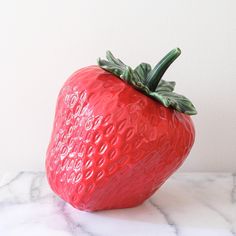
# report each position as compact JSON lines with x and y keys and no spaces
{"x":111,"y":145}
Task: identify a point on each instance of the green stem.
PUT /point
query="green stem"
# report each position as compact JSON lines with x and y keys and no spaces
{"x":158,"y":71}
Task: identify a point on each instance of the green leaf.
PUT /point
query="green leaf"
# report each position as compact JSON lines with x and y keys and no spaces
{"x":142,"y":71}
{"x":138,"y":77}
{"x":113,"y":65}
{"x":114,"y":60}
{"x":167,"y":86}
{"x":176,"y":101}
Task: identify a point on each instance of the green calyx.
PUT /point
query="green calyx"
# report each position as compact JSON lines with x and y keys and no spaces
{"x":149,"y":81}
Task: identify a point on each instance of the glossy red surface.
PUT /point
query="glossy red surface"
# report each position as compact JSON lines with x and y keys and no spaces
{"x":112,"y":146}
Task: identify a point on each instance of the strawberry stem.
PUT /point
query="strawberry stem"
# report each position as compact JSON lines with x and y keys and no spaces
{"x":158,"y":71}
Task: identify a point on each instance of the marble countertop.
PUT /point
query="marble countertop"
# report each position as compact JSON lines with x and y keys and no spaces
{"x":187,"y":205}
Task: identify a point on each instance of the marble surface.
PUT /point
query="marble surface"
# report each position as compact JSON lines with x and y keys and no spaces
{"x":187,"y":204}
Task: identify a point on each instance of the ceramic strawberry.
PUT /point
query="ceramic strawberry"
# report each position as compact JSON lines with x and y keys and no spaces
{"x":118,"y":134}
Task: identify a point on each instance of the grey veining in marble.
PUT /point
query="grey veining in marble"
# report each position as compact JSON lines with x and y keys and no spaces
{"x":188,"y":204}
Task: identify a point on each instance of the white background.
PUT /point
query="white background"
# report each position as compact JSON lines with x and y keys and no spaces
{"x":42,"y":42}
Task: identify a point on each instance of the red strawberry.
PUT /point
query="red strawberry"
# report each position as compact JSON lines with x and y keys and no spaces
{"x":118,"y":134}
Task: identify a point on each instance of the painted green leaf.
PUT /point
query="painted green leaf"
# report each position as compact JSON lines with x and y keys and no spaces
{"x":142,"y":71}
{"x":167,"y":86}
{"x":176,"y":101}
{"x":149,"y":81}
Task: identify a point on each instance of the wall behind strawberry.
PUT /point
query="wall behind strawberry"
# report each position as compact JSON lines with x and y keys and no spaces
{"x":43,"y":42}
